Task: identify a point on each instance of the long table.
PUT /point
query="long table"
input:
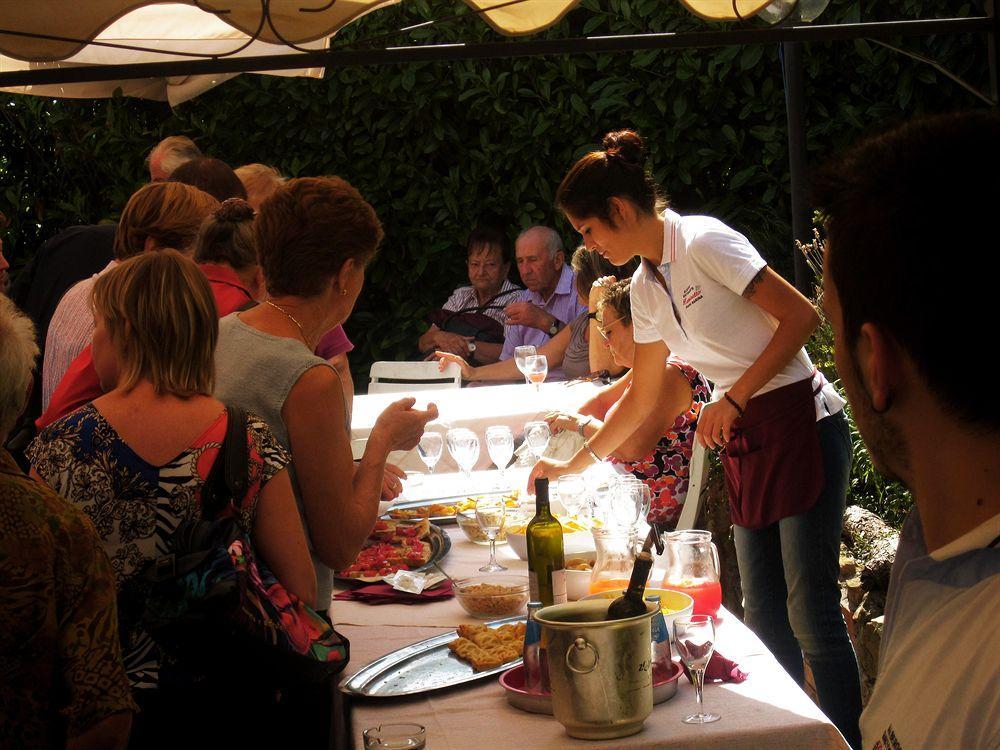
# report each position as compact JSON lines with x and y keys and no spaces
{"x":767,"y":710}
{"x":476,"y":408}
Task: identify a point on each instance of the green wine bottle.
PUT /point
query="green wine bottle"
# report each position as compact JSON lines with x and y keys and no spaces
{"x":546,"y":565}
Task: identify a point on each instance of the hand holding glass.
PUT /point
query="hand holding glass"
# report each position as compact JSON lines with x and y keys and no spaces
{"x":463,"y":444}
{"x":537,"y":434}
{"x":430,"y":446}
{"x":491,"y":512}
{"x":694,"y":637}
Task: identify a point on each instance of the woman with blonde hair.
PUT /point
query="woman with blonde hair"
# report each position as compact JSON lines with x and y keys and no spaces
{"x":136,"y":459}
{"x":157,"y":216}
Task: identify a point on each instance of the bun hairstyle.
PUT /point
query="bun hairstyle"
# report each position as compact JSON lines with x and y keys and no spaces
{"x":226,"y":236}
{"x":618,"y":171}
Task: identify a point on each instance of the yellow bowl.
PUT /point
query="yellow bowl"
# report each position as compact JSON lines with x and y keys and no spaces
{"x":672,"y":603}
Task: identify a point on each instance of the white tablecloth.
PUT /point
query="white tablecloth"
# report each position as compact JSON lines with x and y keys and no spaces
{"x":475,"y":408}
{"x":768,"y":710}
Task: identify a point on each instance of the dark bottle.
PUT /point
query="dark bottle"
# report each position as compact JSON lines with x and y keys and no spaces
{"x":546,"y":565}
{"x":631,"y":602}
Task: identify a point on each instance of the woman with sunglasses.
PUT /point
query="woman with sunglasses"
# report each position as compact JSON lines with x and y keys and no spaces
{"x":704,"y":293}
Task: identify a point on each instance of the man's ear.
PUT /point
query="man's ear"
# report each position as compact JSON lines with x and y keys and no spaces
{"x":878,"y":356}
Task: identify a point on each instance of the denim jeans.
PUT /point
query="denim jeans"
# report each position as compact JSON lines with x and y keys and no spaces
{"x":789,"y":573}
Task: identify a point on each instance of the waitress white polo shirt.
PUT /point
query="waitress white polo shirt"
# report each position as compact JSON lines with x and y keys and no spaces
{"x":705,"y":320}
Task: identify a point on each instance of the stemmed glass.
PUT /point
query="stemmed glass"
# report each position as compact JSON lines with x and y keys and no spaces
{"x":571,"y":488}
{"x":604,"y":491}
{"x":491,"y":512}
{"x":537,"y":434}
{"x":500,"y":445}
{"x":694,"y":637}
{"x":463,"y":444}
{"x":627,"y":502}
{"x":430,"y":447}
{"x":536,"y":368}
{"x":521,"y":353}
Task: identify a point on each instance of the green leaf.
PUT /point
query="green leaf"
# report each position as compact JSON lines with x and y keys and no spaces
{"x":751,"y":56}
{"x":741,"y":177}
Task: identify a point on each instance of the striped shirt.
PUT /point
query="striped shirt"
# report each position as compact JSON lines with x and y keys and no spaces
{"x":465,"y":297}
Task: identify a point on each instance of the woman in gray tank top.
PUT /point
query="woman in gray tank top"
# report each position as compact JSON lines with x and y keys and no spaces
{"x":315,"y":236}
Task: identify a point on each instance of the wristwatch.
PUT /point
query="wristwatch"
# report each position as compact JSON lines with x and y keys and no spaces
{"x":554,"y":328}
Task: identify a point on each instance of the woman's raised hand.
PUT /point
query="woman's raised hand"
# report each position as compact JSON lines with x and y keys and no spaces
{"x":400,"y":426}
{"x":558,"y":420}
{"x":445,"y":357}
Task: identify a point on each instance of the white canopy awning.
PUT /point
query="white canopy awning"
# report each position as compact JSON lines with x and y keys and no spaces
{"x":34,"y":35}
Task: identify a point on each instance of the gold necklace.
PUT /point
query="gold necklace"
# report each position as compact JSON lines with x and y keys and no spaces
{"x":288,"y":315}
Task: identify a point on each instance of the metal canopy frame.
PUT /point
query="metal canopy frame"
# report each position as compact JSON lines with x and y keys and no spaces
{"x":790,"y":38}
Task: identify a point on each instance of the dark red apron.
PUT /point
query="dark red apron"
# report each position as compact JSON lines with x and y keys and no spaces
{"x":773,"y":464}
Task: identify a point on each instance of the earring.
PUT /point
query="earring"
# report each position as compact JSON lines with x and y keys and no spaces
{"x":343,"y":292}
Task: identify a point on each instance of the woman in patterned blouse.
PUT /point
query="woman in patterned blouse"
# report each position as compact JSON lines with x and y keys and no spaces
{"x":659,"y":452}
{"x":136,"y":459}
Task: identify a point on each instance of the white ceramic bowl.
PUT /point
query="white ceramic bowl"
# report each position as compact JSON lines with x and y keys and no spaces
{"x":578,"y":581}
{"x":575,"y":544}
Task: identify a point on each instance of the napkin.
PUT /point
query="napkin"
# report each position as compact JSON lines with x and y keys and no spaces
{"x":720,"y":669}
{"x":383,"y":593}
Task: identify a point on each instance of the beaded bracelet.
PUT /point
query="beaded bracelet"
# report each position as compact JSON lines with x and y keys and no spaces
{"x":730,"y":399}
{"x":586,"y":444}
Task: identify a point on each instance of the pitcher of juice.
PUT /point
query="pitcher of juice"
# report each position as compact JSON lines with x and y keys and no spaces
{"x":615,"y":559}
{"x":693,"y":567}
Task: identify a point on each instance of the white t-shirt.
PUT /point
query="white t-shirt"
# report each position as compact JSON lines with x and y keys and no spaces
{"x":705,"y":320}
{"x":939,"y":673}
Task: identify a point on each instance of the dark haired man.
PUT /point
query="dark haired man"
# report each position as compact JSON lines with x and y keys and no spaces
{"x":909,"y":337}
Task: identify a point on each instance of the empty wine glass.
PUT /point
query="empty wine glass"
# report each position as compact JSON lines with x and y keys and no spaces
{"x":491,"y":512}
{"x":694,"y":637}
{"x":537,"y":435}
{"x":604,"y":489}
{"x":536,"y":368}
{"x":571,"y":488}
{"x":430,"y":446}
{"x":626,"y":502}
{"x":463,"y":444}
{"x":500,"y":445}
{"x":521,"y":353}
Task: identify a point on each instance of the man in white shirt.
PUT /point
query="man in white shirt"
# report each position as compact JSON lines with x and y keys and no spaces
{"x":909,"y":335}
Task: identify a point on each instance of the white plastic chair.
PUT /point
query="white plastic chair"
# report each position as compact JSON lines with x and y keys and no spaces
{"x":697,"y":474}
{"x":405,"y":377}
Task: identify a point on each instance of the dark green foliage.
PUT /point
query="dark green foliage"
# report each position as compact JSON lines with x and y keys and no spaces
{"x":435,"y":146}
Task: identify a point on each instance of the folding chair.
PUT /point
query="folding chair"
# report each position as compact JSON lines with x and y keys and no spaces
{"x":697,"y":474}
{"x":405,"y":377}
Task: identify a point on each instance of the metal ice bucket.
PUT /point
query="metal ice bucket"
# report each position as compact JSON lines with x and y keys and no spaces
{"x":599,"y":669}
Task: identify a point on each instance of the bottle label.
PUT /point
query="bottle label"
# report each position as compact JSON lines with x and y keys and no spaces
{"x":559,"y":586}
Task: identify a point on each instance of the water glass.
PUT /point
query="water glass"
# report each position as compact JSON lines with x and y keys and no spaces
{"x":521,"y":353}
{"x":430,"y":446}
{"x":500,"y":445}
{"x":627,"y":502}
{"x":535,"y":369}
{"x":491,"y":512}
{"x":537,"y":435}
{"x":395,"y":737}
{"x":463,"y":444}
{"x":694,"y":638}
{"x":571,"y":489}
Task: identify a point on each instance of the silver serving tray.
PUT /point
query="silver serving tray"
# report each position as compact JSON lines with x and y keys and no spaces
{"x":420,"y":668}
{"x":440,"y":545}
{"x":411,"y":504}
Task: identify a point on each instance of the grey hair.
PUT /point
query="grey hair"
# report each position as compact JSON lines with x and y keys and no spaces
{"x":18,"y":351}
{"x":173,"y":151}
{"x":553,"y":242}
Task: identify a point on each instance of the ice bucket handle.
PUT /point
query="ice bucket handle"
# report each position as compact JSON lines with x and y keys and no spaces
{"x":574,"y":655}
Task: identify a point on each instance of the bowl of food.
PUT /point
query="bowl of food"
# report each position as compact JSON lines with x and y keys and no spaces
{"x":473,"y":531}
{"x":578,"y":569}
{"x":490,"y":597}
{"x":673,"y":604}
{"x":577,"y":538}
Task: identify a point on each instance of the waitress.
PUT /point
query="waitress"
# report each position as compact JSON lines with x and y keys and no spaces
{"x":704,"y":294}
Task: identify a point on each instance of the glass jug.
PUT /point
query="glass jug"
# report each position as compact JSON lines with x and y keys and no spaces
{"x":615,"y":559}
{"x":693,"y":567}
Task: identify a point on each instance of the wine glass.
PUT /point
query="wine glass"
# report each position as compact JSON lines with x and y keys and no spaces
{"x":604,"y":489}
{"x":537,"y":435}
{"x":430,"y":447}
{"x":500,"y":445}
{"x":463,"y":444}
{"x":626,"y":502}
{"x":571,"y":488}
{"x":694,"y":637}
{"x":521,"y":353}
{"x":491,"y":512}
{"x":536,"y":368}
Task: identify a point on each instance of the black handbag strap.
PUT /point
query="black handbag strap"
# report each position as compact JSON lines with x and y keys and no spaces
{"x":229,"y":478}
{"x":488,"y":304}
